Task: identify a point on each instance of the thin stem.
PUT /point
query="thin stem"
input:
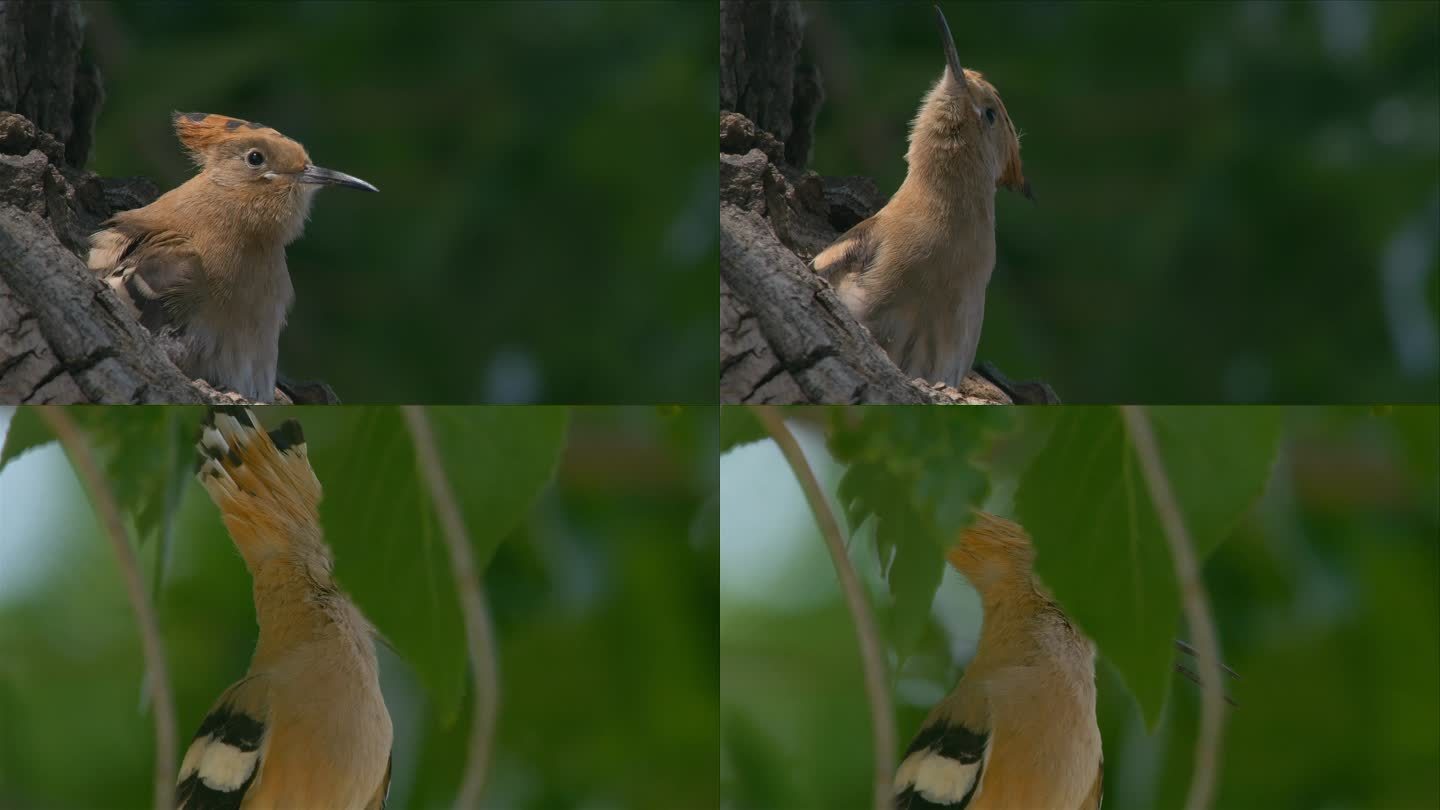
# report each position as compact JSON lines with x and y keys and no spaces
{"x":83,"y":460}
{"x":1195,"y":602}
{"x":479,"y":635}
{"x":882,"y":725}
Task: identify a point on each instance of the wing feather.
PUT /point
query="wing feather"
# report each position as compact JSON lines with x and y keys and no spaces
{"x":225,"y":755}
{"x":942,"y":767}
{"x":155,"y":272}
{"x":849,"y":255}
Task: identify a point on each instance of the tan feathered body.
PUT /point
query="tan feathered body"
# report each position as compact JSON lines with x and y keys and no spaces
{"x":313,"y":685}
{"x":232,"y":302}
{"x":205,"y":263}
{"x":1030,"y":690}
{"x":915,"y":273}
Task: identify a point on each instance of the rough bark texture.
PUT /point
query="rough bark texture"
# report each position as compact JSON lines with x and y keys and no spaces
{"x":784,"y":335}
{"x":44,"y":74}
{"x":64,"y":337}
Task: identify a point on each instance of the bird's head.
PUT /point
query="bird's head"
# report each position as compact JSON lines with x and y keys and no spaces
{"x":991,"y":551}
{"x":963,"y":122}
{"x":268,"y":174}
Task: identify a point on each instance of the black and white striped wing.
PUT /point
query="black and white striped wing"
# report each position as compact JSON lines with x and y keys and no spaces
{"x":224,"y":757}
{"x":942,"y":768}
{"x":157,"y":275}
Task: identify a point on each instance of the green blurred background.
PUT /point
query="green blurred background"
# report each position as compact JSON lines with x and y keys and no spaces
{"x":1237,"y":201}
{"x":604,"y":602}
{"x":546,"y":227}
{"x":1326,"y":597}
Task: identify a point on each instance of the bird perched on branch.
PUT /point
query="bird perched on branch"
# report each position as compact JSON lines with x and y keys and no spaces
{"x":307,"y":725}
{"x":205,"y":263}
{"x":915,"y":273}
{"x":1019,"y":730}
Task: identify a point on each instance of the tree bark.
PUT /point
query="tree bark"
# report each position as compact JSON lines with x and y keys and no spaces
{"x":785,"y":337}
{"x":45,"y":74}
{"x":64,"y":336}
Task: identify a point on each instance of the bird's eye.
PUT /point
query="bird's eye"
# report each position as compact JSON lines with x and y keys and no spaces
{"x":254,"y":158}
{"x":989,"y":115}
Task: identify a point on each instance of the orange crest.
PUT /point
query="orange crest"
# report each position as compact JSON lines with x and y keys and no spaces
{"x":201,"y":131}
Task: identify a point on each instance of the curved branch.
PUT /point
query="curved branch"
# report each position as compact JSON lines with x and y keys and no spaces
{"x":479,"y":635}
{"x":882,"y":724}
{"x":1196,"y":605}
{"x":78,"y":449}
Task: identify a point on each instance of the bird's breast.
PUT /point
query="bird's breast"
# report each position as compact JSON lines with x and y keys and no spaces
{"x":929,"y":320}
{"x":234,"y":340}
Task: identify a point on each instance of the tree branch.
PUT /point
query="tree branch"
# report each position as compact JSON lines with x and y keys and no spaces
{"x":1196,"y":605}
{"x":83,"y":460}
{"x":479,"y":635}
{"x":882,"y":724}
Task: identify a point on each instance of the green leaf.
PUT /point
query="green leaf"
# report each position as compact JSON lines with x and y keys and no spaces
{"x":378,"y":517}
{"x":913,"y":574}
{"x":915,"y":471}
{"x":498,"y":459}
{"x":158,"y":512}
{"x":148,"y":454}
{"x":739,"y":426}
{"x":144,"y":452}
{"x":1099,"y":544}
{"x":27,"y":431}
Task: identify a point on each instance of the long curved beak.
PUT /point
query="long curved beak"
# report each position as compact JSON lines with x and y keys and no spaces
{"x":329,"y":177}
{"x":952,"y":59}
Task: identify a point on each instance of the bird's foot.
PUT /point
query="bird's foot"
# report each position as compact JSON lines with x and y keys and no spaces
{"x":305,"y":392}
{"x":1022,"y":392}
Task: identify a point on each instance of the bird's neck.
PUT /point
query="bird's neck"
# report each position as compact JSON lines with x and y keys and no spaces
{"x":236,"y":220}
{"x":948,"y":170}
{"x":952,"y":203}
{"x":1022,"y":625}
{"x":1009,"y":607}
{"x":296,"y":602}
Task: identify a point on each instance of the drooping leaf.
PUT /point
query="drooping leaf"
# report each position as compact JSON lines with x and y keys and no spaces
{"x":913,"y":574}
{"x":27,"y":431}
{"x":158,"y":513}
{"x":1098,"y":538}
{"x":498,"y":460}
{"x":914,"y":470}
{"x":738,"y":426}
{"x":147,"y":452}
{"x":144,"y":452}
{"x":378,"y":517}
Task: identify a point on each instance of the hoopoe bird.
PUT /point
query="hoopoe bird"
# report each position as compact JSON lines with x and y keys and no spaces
{"x":205,"y":263}
{"x":915,"y":273}
{"x":1019,"y":730}
{"x":307,"y":726}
